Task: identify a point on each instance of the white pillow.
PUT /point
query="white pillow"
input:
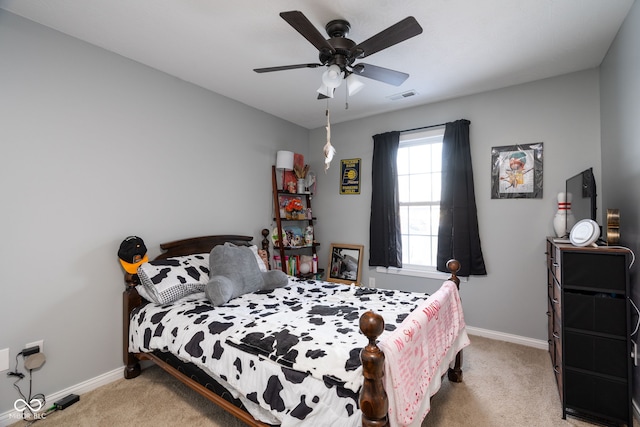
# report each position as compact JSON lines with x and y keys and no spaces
{"x":142,"y":291}
{"x":168,"y":280}
{"x":261,"y":263}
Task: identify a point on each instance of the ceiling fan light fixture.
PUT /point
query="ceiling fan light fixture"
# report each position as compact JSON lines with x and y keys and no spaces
{"x":354,"y":84}
{"x":332,"y":77}
{"x":325,"y":90}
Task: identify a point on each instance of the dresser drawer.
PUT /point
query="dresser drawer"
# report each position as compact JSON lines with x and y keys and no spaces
{"x":557,"y":337}
{"x":598,"y":313}
{"x":557,"y":367}
{"x":550,"y":326}
{"x":554,"y":264}
{"x":593,"y":394}
{"x":596,"y":354}
{"x":594,"y":271}
{"x":557,"y":296}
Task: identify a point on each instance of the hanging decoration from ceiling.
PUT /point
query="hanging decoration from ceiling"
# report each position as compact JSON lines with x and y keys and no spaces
{"x":328,"y":149}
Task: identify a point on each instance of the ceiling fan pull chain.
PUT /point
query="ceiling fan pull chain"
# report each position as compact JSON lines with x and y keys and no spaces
{"x":346,"y":99}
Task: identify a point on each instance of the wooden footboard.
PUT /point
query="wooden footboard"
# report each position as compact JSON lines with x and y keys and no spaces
{"x":373,"y":399}
{"x":374,"y":403}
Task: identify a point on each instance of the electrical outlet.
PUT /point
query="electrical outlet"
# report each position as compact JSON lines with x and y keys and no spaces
{"x":4,"y":359}
{"x":372,"y":282}
{"x":36,"y":343}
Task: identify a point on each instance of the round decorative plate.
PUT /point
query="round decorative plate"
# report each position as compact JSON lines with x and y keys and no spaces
{"x":274,"y":236}
{"x":584,"y":233}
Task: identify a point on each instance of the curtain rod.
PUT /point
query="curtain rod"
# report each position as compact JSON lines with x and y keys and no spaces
{"x":422,"y":127}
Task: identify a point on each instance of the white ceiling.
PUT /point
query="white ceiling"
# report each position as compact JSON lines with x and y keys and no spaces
{"x":467,"y":46}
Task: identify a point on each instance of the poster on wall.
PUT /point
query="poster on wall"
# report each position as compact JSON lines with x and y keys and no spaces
{"x":350,"y":176}
{"x":516,"y":171}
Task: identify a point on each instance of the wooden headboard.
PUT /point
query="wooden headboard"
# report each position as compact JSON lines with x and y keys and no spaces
{"x":195,"y":245}
{"x":199,"y":245}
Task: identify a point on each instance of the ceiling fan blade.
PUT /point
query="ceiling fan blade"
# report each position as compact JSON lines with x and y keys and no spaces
{"x":384,"y":75}
{"x":395,"y":34}
{"x":301,"y":24}
{"x":285,"y":67}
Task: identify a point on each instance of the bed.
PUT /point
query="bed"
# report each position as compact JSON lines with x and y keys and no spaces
{"x":312,"y":352}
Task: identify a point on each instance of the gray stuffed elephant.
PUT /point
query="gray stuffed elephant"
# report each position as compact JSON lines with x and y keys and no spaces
{"x":234,"y":271}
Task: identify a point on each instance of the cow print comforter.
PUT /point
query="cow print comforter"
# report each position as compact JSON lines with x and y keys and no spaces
{"x":291,"y":355}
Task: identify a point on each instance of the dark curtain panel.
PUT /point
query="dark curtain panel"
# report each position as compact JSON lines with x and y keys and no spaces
{"x":458,"y":235}
{"x":385,"y":241}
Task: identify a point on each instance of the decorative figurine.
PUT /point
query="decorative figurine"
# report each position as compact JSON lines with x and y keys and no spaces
{"x":308,"y":235}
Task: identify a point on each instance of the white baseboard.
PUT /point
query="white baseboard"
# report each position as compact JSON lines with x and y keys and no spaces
{"x":13,"y":416}
{"x":501,"y":336}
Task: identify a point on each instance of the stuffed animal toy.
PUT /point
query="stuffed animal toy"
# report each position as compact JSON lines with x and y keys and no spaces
{"x":234,"y":271}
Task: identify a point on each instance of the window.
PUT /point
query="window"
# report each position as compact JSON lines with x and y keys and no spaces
{"x":419,"y":175}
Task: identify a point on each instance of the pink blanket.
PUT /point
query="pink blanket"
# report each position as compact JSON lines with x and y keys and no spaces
{"x":419,"y":352}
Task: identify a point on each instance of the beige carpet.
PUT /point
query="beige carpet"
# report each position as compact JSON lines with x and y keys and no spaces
{"x":504,"y":385}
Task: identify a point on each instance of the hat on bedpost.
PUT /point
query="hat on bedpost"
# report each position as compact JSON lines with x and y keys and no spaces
{"x":132,"y":253}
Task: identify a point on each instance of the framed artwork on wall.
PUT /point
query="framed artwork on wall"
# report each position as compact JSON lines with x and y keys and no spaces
{"x":350,"y":176}
{"x":516,"y":171}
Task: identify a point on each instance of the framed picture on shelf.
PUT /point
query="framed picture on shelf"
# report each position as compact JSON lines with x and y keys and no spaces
{"x":345,"y":263}
{"x":291,"y":207}
{"x":289,"y":181}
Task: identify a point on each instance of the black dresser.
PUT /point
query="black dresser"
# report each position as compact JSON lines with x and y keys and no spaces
{"x":589,"y":318}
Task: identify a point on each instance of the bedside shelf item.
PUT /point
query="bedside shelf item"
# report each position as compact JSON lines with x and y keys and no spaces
{"x":589,"y":326}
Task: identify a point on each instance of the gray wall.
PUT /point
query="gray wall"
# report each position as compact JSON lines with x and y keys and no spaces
{"x":621,"y":142}
{"x":561,"y":112}
{"x":94,"y":143}
{"x":94,"y":148}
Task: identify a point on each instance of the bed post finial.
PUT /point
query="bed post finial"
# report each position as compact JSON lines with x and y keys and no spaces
{"x":265,"y":247}
{"x":455,"y":373}
{"x":265,"y":240}
{"x":453,"y":265}
{"x":373,"y":398}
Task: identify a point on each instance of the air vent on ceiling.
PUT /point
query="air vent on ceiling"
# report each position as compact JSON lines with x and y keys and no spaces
{"x":402,"y":95}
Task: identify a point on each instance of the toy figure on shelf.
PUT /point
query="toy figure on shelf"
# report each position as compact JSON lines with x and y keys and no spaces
{"x":308,"y":235}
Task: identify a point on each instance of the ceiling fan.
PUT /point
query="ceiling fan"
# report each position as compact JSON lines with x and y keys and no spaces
{"x":338,"y":53}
